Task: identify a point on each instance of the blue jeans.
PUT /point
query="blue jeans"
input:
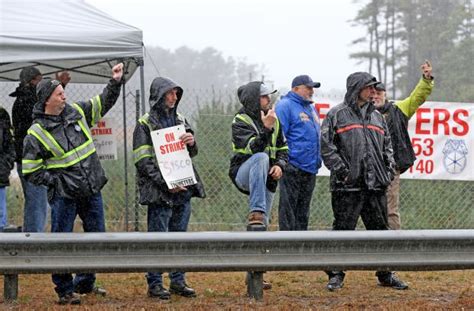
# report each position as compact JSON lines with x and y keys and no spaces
{"x":252,"y":177}
{"x":3,"y":207}
{"x":36,"y":205}
{"x":63,"y":213}
{"x":162,"y":218}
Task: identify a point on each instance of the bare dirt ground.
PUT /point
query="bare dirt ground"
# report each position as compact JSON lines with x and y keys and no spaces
{"x":440,"y":290}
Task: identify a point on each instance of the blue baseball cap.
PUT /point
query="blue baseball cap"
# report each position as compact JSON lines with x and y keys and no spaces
{"x":304,"y":80}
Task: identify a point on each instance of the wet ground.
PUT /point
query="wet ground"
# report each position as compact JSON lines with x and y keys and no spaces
{"x":439,"y":290}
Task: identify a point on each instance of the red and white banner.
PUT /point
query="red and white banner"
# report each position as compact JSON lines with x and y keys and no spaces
{"x":442,"y":137}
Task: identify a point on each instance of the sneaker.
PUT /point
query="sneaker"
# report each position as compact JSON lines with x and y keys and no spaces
{"x":70,"y":299}
{"x":336,"y":281}
{"x":159,"y":291}
{"x":391,"y":280}
{"x":182,"y":289}
{"x":99,"y":291}
{"x":256,"y":218}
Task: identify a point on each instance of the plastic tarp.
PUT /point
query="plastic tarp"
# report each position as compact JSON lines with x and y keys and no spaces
{"x":56,"y":35}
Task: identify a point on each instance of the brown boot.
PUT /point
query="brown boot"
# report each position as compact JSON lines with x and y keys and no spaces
{"x":256,"y":218}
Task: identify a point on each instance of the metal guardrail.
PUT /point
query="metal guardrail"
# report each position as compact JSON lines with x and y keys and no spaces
{"x":415,"y":250}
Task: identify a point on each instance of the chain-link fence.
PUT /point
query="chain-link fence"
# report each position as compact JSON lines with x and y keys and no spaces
{"x":424,"y":204}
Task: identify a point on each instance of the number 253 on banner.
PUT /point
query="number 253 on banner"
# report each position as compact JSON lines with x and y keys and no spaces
{"x":173,"y":157}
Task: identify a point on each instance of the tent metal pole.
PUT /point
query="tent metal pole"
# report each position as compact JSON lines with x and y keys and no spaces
{"x":142,"y":85}
{"x":125,"y":154}
{"x":142,"y":97}
{"x":137,"y":205}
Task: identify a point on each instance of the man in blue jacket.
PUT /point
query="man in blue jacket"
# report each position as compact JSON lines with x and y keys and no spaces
{"x":300,"y":122}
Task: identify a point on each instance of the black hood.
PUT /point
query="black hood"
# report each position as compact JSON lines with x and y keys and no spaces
{"x":249,"y":97}
{"x":354,"y":84}
{"x":158,"y":88}
{"x":24,"y":90}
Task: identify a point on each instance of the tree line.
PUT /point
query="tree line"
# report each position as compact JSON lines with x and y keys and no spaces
{"x":401,"y":34}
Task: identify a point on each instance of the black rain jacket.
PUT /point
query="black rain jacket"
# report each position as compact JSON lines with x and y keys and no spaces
{"x":7,"y":150}
{"x":245,"y":135}
{"x":354,"y":147}
{"x":22,"y":115}
{"x":151,"y":184}
{"x":86,"y":177}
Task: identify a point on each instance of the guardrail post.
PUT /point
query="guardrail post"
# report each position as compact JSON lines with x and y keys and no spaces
{"x":10,"y":287}
{"x":10,"y":281}
{"x":255,"y":278}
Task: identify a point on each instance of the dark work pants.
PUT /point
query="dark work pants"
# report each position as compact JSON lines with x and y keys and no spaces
{"x":296,"y":190}
{"x":347,"y":206}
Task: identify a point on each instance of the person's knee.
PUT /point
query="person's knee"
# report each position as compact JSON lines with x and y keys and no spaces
{"x":262,"y":159}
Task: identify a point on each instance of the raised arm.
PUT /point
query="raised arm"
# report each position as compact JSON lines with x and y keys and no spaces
{"x":419,"y":95}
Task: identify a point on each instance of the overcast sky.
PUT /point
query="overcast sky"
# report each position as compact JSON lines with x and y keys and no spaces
{"x":289,"y":37}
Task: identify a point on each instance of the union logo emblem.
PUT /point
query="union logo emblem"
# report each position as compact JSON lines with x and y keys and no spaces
{"x":455,"y":156}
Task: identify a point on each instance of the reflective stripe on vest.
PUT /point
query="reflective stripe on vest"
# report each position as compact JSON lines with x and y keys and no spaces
{"x":272,"y":149}
{"x":96,"y":109}
{"x":46,"y":139}
{"x":60,"y":159}
{"x":144,"y":151}
{"x":30,"y":166}
{"x":145,"y":120}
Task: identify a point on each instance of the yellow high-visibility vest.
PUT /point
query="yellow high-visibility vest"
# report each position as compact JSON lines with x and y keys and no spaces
{"x":60,"y":159}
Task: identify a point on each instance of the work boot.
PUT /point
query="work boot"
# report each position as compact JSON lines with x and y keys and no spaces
{"x":256,"y":218}
{"x":70,"y":299}
{"x":336,"y":281}
{"x":182,"y":289}
{"x":159,"y":291}
{"x":390,"y":280}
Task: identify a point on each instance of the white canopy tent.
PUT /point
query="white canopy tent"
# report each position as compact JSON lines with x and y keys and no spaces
{"x":55,"y":35}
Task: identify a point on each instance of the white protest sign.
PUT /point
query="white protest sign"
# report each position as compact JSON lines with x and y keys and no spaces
{"x":105,"y":140}
{"x":173,"y":157}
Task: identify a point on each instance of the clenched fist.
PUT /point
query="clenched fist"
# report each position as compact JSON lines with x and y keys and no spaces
{"x":117,"y":72}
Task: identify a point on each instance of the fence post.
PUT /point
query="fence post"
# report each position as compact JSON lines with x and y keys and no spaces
{"x":255,"y":278}
{"x":137,"y":206}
